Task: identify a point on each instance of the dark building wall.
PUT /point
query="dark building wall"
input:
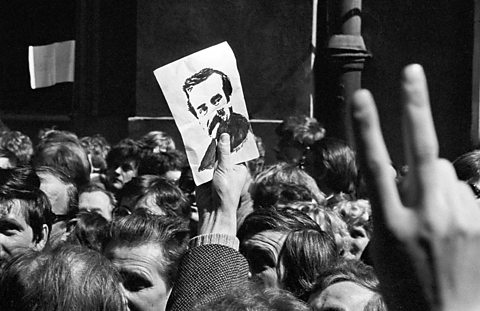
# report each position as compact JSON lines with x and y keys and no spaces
{"x":437,"y":34}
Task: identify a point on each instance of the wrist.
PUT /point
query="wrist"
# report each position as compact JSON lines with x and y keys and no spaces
{"x":217,"y":222}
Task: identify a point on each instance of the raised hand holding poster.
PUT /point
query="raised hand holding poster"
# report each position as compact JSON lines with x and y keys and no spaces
{"x":204,"y":94}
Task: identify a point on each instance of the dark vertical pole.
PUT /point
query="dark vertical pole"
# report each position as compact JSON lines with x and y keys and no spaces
{"x":347,"y":53}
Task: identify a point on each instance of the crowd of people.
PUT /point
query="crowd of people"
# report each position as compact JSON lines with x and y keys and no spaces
{"x":89,"y":226}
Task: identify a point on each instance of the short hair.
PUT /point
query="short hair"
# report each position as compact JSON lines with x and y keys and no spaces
{"x":467,"y":166}
{"x":89,"y":230}
{"x":286,"y":173}
{"x":251,"y":297}
{"x":168,"y":197}
{"x":352,"y":271}
{"x":161,"y":163}
{"x":64,"y":278}
{"x":67,"y":156}
{"x":138,"y":229}
{"x":334,"y":164}
{"x":201,"y":76}
{"x":282,"y":219}
{"x":97,"y":147}
{"x":96,"y":188}
{"x":17,"y":146}
{"x":22,"y":184}
{"x":72,"y":190}
{"x":126,"y":150}
{"x":301,"y":129}
{"x":159,"y":139}
{"x":280,"y":194}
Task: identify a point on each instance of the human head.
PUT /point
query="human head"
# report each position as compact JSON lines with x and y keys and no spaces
{"x":296,"y":133}
{"x":165,"y":164}
{"x":146,"y":250}
{"x":15,"y":149}
{"x":333,"y":165}
{"x":94,"y":198}
{"x":279,"y":242}
{"x":122,"y":163}
{"x":63,"y":196}
{"x":467,"y":167}
{"x":64,"y":278}
{"x":88,"y":229}
{"x":350,"y":285}
{"x":208,"y":95}
{"x":254,"y":298}
{"x":282,"y":173}
{"x":97,"y":148}
{"x":25,"y":212}
{"x":63,"y":150}
{"x":158,"y":141}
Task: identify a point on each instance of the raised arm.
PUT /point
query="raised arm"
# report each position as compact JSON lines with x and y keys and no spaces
{"x":426,"y":242}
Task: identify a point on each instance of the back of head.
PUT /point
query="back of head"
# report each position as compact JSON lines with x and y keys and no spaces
{"x":283,"y":219}
{"x":467,"y":166}
{"x":17,"y":147}
{"x":162,"y":162}
{"x":164,"y":198}
{"x":69,"y":157}
{"x":333,"y":165}
{"x":253,"y":298}
{"x":89,"y":230}
{"x":64,"y":278}
{"x":158,"y":141}
{"x":286,"y":173}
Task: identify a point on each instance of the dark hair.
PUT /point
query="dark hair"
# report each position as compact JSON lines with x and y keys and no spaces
{"x":333,"y":164}
{"x":69,"y":157}
{"x":64,"y":278}
{"x":72,"y":190}
{"x":22,"y":184}
{"x":266,"y":195}
{"x":251,"y":297}
{"x":467,"y":166}
{"x":301,"y":129}
{"x":351,"y":271}
{"x":167,"y":196}
{"x":305,"y":255}
{"x":126,"y":150}
{"x":201,"y":76}
{"x":282,"y":219}
{"x":17,"y":146}
{"x":89,"y":230}
{"x":137,"y":229}
{"x":98,"y":147}
{"x":161,"y":163}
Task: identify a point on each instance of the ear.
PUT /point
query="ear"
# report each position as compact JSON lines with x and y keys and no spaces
{"x":39,"y":245}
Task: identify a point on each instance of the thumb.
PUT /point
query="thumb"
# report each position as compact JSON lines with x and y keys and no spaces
{"x":223,"y":153}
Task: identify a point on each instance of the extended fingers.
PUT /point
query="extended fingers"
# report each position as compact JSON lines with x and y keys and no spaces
{"x":421,"y":139}
{"x":374,"y":156}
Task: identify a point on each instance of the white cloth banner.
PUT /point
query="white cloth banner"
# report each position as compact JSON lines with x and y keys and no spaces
{"x":205,"y":96}
{"x":51,"y":64}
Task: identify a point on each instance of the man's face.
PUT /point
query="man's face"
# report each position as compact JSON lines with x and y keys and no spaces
{"x":142,"y":273}
{"x":345,"y":296}
{"x":262,"y":252}
{"x":210,"y":103}
{"x":121,"y":174}
{"x":96,"y":202}
{"x":16,"y":236}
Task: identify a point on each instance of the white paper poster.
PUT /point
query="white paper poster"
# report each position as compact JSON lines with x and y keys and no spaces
{"x":205,"y":96}
{"x":51,"y":64}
